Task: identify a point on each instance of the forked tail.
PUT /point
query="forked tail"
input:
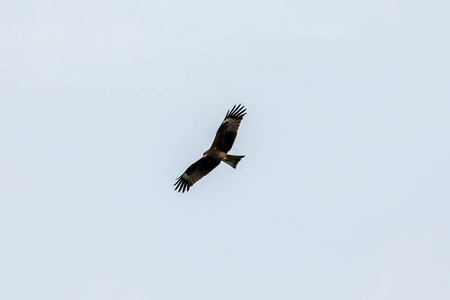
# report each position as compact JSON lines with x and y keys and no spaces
{"x":233,"y":160}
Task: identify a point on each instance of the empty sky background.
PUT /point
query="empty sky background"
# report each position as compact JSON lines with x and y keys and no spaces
{"x":344,"y":190}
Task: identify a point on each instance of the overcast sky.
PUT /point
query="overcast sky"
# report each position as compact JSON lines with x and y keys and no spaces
{"x":344,"y":189}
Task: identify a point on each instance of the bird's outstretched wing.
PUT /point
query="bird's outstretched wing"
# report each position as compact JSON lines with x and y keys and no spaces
{"x":226,"y":134}
{"x":195,"y":172}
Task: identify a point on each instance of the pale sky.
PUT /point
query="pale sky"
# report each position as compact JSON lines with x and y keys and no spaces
{"x":344,"y":189}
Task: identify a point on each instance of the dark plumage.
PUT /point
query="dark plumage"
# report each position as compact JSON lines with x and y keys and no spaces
{"x":225,"y":136}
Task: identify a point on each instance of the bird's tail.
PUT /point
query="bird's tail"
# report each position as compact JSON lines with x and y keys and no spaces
{"x":233,"y":160}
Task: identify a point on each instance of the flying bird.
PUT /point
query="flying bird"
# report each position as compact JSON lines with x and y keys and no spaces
{"x":225,"y":136}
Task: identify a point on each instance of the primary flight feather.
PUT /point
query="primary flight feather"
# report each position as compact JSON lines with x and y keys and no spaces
{"x":225,"y":136}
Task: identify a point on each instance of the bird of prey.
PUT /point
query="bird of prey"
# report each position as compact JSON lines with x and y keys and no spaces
{"x":225,"y":136}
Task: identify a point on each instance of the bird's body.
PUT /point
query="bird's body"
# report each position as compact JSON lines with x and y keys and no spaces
{"x":216,"y":154}
{"x":225,"y":136}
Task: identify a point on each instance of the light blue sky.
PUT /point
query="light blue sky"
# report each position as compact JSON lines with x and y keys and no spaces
{"x":344,"y":190}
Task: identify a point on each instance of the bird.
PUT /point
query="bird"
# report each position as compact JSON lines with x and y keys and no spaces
{"x":225,"y":136}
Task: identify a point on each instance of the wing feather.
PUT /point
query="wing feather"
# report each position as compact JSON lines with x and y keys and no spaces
{"x":226,"y":134}
{"x":195,"y":172}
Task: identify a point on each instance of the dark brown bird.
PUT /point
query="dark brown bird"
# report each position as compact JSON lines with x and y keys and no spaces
{"x":225,"y":136}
